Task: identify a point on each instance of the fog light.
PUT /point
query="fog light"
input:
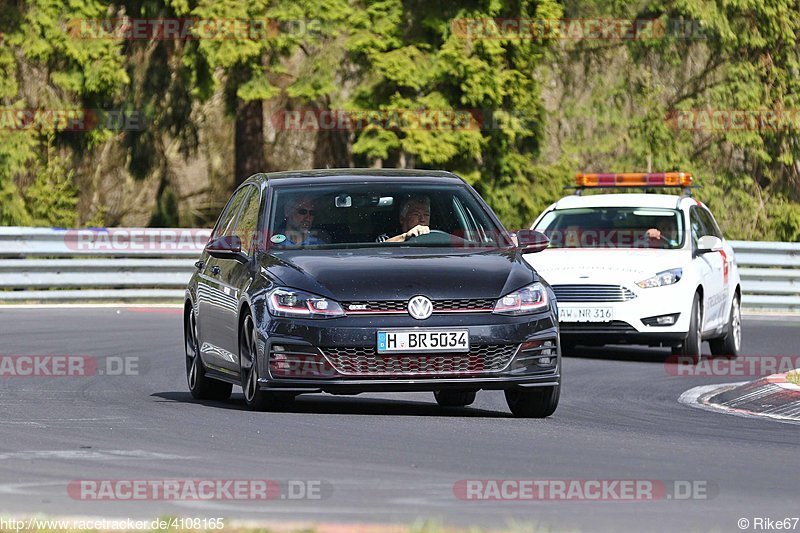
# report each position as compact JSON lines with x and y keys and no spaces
{"x":530,"y":345}
{"x":662,"y":320}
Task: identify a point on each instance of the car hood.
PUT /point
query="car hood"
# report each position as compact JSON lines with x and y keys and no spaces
{"x":400,"y":273}
{"x":592,"y":265}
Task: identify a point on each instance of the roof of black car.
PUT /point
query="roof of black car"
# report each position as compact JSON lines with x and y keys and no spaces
{"x":344,"y":173}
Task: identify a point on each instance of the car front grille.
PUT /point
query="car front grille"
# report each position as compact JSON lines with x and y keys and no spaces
{"x":381,"y":307}
{"x":367,"y":362}
{"x":592,"y":293}
{"x":615,"y":326}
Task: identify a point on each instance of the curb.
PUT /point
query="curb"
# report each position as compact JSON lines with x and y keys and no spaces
{"x":772,"y":397}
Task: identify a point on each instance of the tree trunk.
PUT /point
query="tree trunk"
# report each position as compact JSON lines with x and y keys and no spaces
{"x":332,"y":149}
{"x":249,"y":140}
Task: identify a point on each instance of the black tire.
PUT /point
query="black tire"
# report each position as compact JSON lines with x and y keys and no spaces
{"x":536,"y":402}
{"x":255,"y":398}
{"x":730,"y":344}
{"x":200,"y":386}
{"x":691,"y":349}
{"x":454,"y":398}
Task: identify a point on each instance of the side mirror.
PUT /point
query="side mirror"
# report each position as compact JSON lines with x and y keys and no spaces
{"x":229,"y":247}
{"x":708,"y":243}
{"x":530,"y":241}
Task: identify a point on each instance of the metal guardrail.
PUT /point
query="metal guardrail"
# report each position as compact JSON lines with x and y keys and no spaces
{"x":114,"y":264}
{"x":770,"y":274}
{"x":118,"y":264}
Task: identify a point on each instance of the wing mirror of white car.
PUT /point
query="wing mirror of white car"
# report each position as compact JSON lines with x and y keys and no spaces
{"x":530,"y":241}
{"x":708,"y":243}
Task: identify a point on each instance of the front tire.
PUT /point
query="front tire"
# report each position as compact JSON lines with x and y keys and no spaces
{"x":691,"y":349}
{"x":730,"y":344}
{"x":538,"y":402}
{"x":454,"y":398}
{"x":255,"y":398}
{"x":200,"y":386}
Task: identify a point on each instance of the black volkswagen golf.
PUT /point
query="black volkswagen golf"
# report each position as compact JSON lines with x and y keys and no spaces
{"x":349,"y":281}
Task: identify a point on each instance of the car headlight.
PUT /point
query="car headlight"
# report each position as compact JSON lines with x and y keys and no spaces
{"x":667,"y":277}
{"x":283,"y":301}
{"x":524,"y":301}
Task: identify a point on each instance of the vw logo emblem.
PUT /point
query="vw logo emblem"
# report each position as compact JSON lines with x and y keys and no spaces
{"x":420,"y":307}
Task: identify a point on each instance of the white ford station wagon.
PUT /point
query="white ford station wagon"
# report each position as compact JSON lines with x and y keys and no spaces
{"x":643,"y":268}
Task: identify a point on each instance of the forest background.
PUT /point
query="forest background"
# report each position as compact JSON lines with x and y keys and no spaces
{"x":149,"y":112}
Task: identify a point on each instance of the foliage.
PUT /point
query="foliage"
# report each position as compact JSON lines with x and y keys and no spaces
{"x":412,"y":57}
{"x":44,"y":67}
{"x":52,"y":197}
{"x":539,"y":108}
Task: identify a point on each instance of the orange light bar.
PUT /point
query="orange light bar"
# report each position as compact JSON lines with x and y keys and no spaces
{"x":635,"y":179}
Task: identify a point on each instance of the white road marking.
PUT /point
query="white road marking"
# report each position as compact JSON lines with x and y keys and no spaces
{"x":92,"y":455}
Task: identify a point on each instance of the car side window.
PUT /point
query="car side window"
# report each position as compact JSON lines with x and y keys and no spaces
{"x":229,"y":214}
{"x":697,"y":228}
{"x":247,"y":223}
{"x":710,"y":224}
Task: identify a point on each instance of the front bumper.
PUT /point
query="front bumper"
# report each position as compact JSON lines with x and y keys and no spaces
{"x":527,"y":354}
{"x":629,"y":322}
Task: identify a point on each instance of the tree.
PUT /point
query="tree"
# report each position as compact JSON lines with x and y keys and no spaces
{"x":253,"y":65}
{"x":436,"y":61}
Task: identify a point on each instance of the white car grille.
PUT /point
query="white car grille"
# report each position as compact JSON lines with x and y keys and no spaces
{"x":592,"y":293}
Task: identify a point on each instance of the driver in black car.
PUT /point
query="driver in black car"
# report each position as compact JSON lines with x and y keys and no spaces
{"x":415,"y":218}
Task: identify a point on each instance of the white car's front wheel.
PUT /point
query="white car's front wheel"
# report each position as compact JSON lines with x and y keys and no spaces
{"x":730,"y":344}
{"x":692,"y":344}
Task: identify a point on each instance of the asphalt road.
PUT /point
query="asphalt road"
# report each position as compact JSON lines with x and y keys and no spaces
{"x":380,"y":458}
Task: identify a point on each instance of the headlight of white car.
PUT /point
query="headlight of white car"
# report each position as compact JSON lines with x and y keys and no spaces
{"x":524,"y":301}
{"x":283,"y":301}
{"x":667,"y":277}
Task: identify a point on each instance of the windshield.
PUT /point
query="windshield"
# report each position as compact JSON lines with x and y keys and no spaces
{"x":380,"y":214}
{"x":613,"y":227}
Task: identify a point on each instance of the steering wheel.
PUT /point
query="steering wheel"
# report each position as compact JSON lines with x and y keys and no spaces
{"x":661,"y":240}
{"x":434,"y":237}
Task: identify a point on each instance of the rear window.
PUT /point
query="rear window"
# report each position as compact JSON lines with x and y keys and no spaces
{"x":613,"y":227}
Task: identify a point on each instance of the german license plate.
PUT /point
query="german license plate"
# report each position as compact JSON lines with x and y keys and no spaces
{"x":426,"y":340}
{"x":585,"y":314}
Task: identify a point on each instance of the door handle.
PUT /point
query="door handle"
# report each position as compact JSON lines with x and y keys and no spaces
{"x":215,"y":270}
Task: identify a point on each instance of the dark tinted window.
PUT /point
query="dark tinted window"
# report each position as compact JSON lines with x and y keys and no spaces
{"x":226,"y":221}
{"x":711,"y":227}
{"x":697,"y":227}
{"x":247,"y":222}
